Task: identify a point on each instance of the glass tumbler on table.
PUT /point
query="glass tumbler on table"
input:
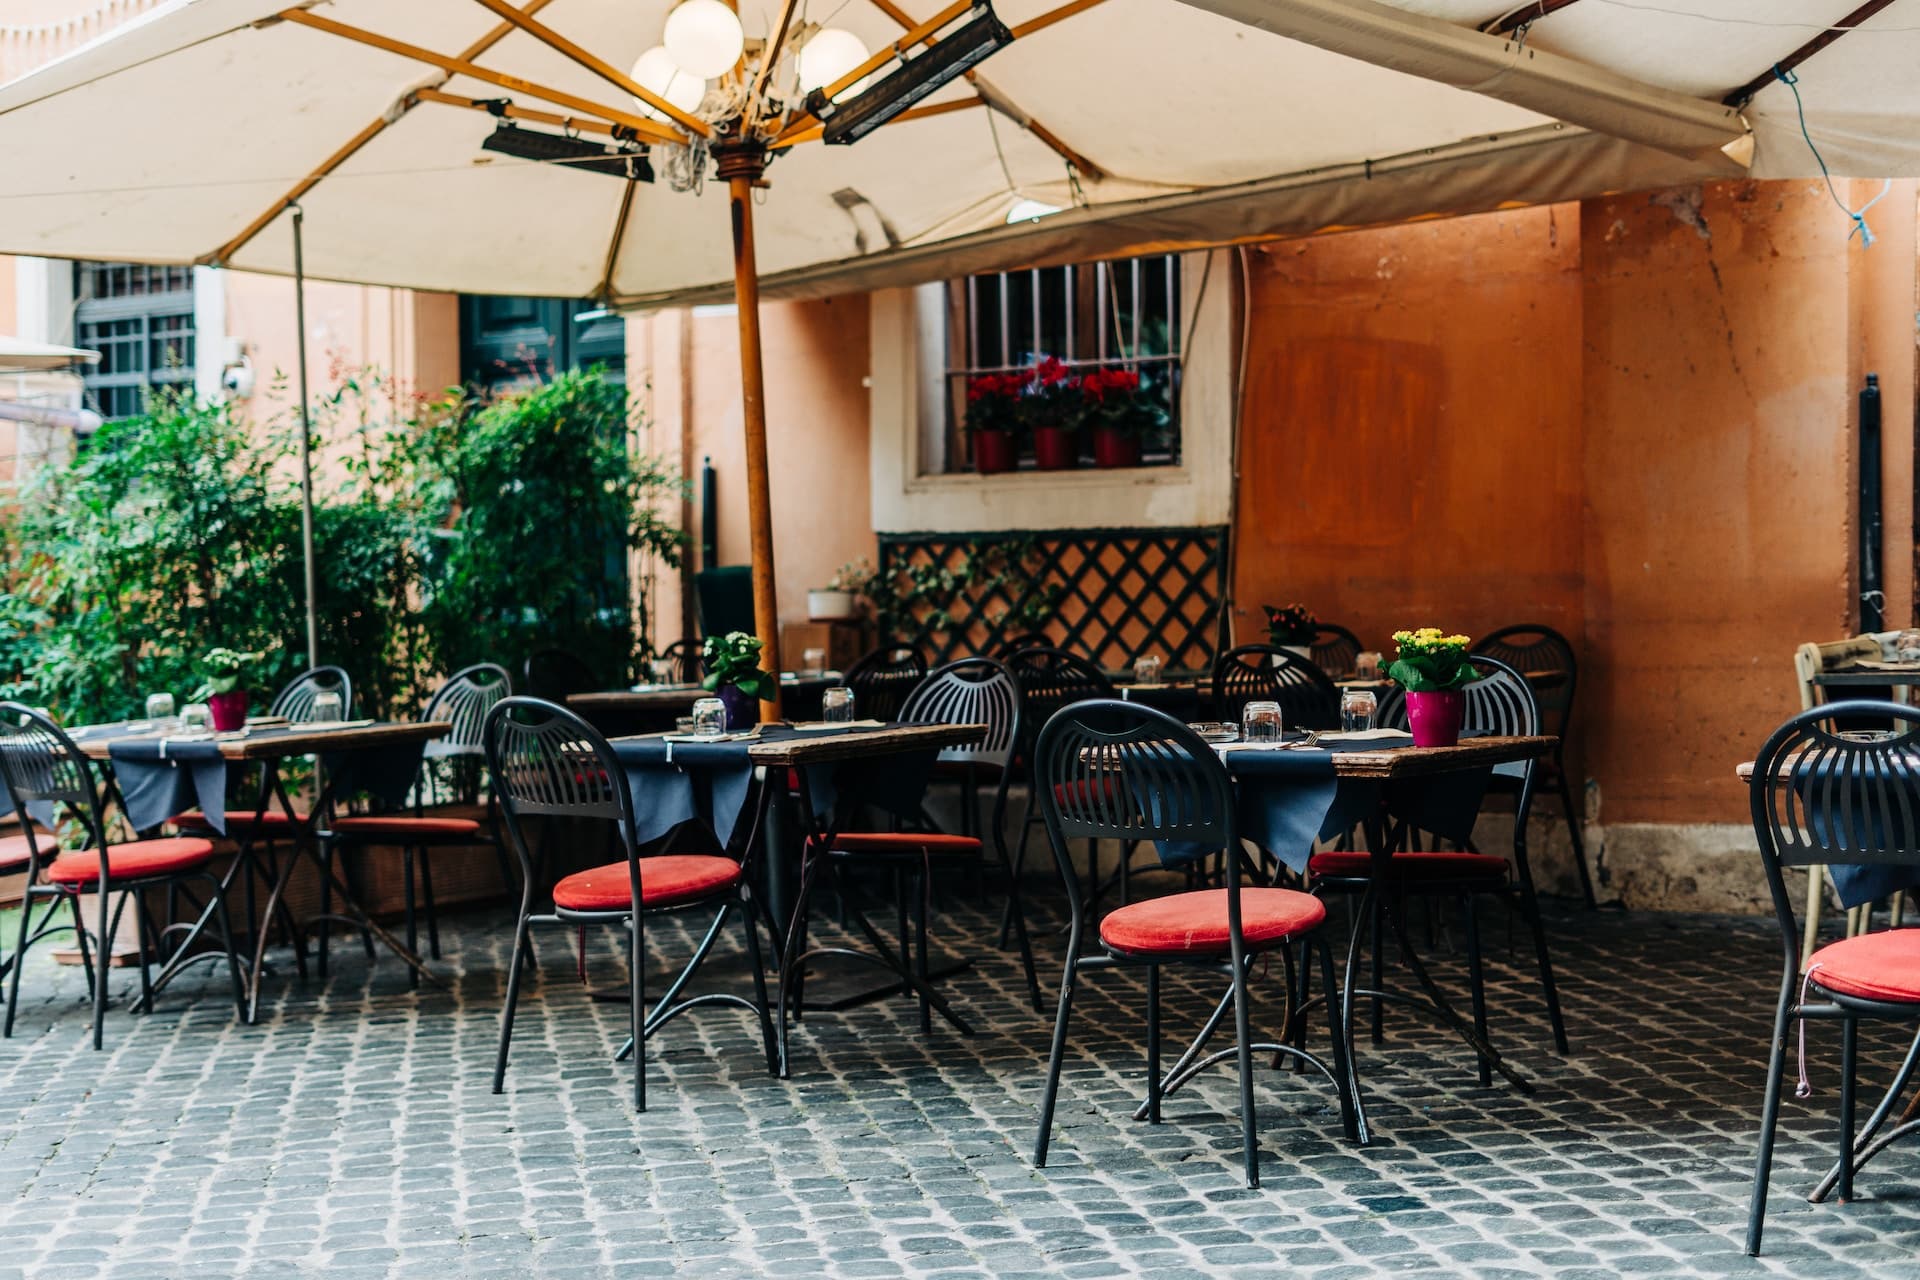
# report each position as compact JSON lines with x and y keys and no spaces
{"x":1357,"y":707}
{"x":160,"y":709}
{"x":1366,"y":666}
{"x":326,"y":708}
{"x":195,"y":717}
{"x":709,"y":717}
{"x":836,"y":705}
{"x":1146,"y":670}
{"x":1260,"y":722}
{"x":813,"y":662}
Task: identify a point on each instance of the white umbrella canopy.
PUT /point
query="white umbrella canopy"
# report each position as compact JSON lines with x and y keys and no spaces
{"x":19,"y":355}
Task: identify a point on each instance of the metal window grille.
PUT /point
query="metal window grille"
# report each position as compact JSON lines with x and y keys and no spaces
{"x":140,"y":320}
{"x":1123,"y":313}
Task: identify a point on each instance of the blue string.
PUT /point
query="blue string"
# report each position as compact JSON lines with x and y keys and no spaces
{"x":1859,"y":215}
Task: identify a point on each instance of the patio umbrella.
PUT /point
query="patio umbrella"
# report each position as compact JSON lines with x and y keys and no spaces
{"x":18,"y":355}
{"x":405,"y":135}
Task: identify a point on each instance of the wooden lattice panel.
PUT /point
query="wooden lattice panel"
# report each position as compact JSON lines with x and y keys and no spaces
{"x":1111,"y":594}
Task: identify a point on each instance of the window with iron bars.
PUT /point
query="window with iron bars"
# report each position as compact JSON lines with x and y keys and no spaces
{"x":1121,"y":314}
{"x":140,"y":320}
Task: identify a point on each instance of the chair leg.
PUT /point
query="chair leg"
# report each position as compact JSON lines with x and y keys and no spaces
{"x":761,"y":1007}
{"x":1476,"y":981}
{"x":637,"y":1006}
{"x":17,"y":961}
{"x":1549,"y":991}
{"x":1816,"y":899}
{"x":1849,"y":1063}
{"x":1243,"y":1036}
{"x":1019,"y":864}
{"x":226,"y":940}
{"x":1019,"y":913}
{"x":1051,"y":1093}
{"x":426,"y":900}
{"x":1353,"y":1111}
{"x":1377,"y":959}
{"x":515,"y":967}
{"x":923,"y":891}
{"x":103,"y":956}
{"x":1578,"y":838}
{"x":406,"y":897}
{"x":1769,"y":1118}
{"x":1153,"y":1044}
{"x":324,"y":925}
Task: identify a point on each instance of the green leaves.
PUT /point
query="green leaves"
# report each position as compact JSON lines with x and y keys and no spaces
{"x":734,"y":659}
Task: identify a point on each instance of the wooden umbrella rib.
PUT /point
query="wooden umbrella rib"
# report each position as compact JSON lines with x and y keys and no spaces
{"x":769,"y":55}
{"x":619,"y":234}
{"x":612,"y":75}
{"x":1741,"y":96}
{"x":1066,"y":11}
{"x":640,"y":125}
{"x":514,"y":111}
{"x":1508,"y":23}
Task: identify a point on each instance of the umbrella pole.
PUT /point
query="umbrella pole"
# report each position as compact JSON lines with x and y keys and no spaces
{"x":306,"y":443}
{"x":741,"y":166}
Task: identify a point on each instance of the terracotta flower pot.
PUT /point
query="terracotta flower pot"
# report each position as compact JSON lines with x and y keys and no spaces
{"x":228,"y":711}
{"x":992,"y":452}
{"x":1054,"y":449}
{"x":1435,"y":717}
{"x":1115,"y":448}
{"x":743,"y":709}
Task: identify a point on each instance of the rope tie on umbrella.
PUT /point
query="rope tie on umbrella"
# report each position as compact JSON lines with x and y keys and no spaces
{"x":1805,"y":1088}
{"x":1859,"y":216}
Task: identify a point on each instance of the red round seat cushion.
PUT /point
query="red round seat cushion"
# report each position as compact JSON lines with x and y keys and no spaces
{"x":666,"y":880}
{"x":237,"y":819}
{"x":1873,"y":966}
{"x":135,"y":861}
{"x":915,"y":844}
{"x":14,"y":853}
{"x":1343,"y":864}
{"x":400,"y":827}
{"x":1195,"y":923}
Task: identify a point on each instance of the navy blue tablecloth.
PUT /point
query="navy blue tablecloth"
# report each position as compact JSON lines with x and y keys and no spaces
{"x":159,"y":778}
{"x":1856,"y":883}
{"x":678,"y":782}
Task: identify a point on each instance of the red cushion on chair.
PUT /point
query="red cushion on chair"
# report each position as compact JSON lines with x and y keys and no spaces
{"x":1873,"y":966}
{"x":398,"y":827}
{"x":917,"y":844}
{"x":666,"y":880}
{"x":1196,"y":923}
{"x":1440,"y":865}
{"x":1078,"y":793}
{"x":131,"y":861}
{"x":13,"y":850}
{"x":237,"y":819}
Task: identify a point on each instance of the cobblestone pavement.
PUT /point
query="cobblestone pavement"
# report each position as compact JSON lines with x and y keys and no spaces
{"x":352,"y":1133}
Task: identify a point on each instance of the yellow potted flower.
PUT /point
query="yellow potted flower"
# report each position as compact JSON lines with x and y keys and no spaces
{"x":1434,"y":668}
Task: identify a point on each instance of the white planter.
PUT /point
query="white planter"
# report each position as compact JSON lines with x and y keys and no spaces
{"x":1299,"y":651}
{"x":830,"y":606}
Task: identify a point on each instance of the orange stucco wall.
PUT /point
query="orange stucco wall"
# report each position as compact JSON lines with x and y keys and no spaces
{"x":1631,"y":419}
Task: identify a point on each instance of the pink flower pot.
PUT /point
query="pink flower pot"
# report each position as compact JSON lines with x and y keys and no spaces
{"x":992,"y":452}
{"x":228,"y":711}
{"x":1435,"y":717}
{"x":1115,"y":448}
{"x":1054,"y":449}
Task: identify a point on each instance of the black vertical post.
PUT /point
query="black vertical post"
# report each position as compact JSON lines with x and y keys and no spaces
{"x":709,"y":514}
{"x":1873,"y":600}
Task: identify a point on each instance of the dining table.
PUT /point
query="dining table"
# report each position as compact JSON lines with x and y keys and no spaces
{"x":644,"y":708}
{"x":1869,"y":674}
{"x":159,"y":773}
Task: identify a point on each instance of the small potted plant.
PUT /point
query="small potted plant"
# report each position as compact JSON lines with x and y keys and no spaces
{"x":840,"y":598}
{"x":1052,"y":406}
{"x":1125,"y":413}
{"x":993,"y":421}
{"x":734,"y":675}
{"x":1292,"y":627}
{"x":1435,"y":670}
{"x":221,"y":671}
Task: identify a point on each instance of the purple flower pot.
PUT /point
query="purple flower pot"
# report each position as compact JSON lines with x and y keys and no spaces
{"x":743,"y":709}
{"x":1435,"y":717}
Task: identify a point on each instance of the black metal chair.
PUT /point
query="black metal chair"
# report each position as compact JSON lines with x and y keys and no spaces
{"x":1005,"y":650}
{"x":684,"y":655}
{"x":1545,"y":658}
{"x":883,"y":680}
{"x":1335,"y":649}
{"x":557,"y":674}
{"x":1268,"y":673}
{"x":1501,"y":703}
{"x":1826,"y":794}
{"x":1120,"y":771}
{"x":462,"y":701}
{"x":1048,"y":679}
{"x":42,"y":768}
{"x":970,"y":691}
{"x":546,"y":762}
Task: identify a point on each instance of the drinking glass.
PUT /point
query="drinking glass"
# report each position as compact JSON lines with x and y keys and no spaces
{"x":661,"y":669}
{"x":1260,"y":722}
{"x":1366,"y":666}
{"x":1356,"y":710}
{"x":1146,"y":669}
{"x":836,"y":705}
{"x":195,"y":717}
{"x":709,"y":717}
{"x":159,"y":707}
{"x":326,"y":708}
{"x":813,"y":662}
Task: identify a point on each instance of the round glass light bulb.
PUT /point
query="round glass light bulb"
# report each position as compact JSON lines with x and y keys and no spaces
{"x":828,"y":55}
{"x":704,"y":37}
{"x":656,"y":70}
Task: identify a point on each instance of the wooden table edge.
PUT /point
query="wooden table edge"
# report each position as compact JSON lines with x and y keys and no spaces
{"x":251,"y":748}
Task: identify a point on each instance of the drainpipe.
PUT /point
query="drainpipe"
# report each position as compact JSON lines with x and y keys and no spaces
{"x":1873,"y":599}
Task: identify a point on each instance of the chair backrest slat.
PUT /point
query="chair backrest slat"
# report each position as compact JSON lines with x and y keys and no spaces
{"x":970,"y":691}
{"x":464,"y":701}
{"x":39,"y":764}
{"x":545,"y":760}
{"x":1050,"y":679}
{"x":1335,"y":649}
{"x":1268,"y":673}
{"x":883,"y":680}
{"x":1537,"y":650}
{"x":295,"y":702}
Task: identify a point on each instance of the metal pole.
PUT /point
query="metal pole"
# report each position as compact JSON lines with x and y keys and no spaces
{"x":741,"y":166}
{"x":1873,"y":600}
{"x":306,"y":444}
